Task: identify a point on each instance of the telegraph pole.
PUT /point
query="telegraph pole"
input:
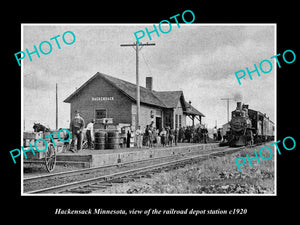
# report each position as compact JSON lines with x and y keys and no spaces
{"x":138,"y":98}
{"x":227,"y":99}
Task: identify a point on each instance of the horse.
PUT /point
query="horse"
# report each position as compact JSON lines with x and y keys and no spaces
{"x":37,"y":127}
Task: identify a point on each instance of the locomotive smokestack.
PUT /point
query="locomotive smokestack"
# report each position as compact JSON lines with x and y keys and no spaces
{"x":239,"y":105}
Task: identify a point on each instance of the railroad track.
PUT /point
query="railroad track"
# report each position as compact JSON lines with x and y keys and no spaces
{"x":43,"y":180}
{"x":101,"y":181}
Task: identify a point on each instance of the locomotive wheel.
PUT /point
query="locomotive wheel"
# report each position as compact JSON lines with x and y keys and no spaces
{"x":50,"y":157}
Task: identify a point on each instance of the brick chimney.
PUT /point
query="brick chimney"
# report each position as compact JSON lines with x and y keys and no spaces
{"x":149,"y":83}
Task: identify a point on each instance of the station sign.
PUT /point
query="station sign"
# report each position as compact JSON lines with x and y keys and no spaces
{"x":102,"y":98}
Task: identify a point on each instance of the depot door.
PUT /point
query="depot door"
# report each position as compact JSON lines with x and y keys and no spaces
{"x":158,"y":123}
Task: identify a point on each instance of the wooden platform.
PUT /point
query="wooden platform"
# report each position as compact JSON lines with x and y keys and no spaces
{"x":92,"y":158}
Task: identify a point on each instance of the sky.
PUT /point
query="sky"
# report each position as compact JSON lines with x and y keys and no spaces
{"x":199,"y":59}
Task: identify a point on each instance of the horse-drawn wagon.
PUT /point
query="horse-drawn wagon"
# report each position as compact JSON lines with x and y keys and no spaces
{"x":44,"y":149}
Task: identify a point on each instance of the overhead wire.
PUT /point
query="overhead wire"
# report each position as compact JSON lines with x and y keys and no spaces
{"x":146,"y":64}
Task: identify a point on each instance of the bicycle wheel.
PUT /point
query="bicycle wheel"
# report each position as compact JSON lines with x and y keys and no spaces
{"x":85,"y":145}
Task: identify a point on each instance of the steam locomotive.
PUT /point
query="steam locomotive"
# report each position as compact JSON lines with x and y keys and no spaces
{"x":249,"y":125}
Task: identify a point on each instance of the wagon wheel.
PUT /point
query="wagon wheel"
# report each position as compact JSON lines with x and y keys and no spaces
{"x":50,"y":157}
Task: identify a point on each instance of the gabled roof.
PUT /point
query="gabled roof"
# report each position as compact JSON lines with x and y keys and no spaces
{"x":127,"y":88}
{"x":169,"y":98}
{"x":191,"y":110}
{"x":163,"y":99}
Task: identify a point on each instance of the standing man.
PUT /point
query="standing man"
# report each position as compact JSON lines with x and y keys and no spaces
{"x":215,"y":133}
{"x":163,"y":135}
{"x":138,"y":134}
{"x":76,"y":127}
{"x":128,"y":139}
{"x":146,"y":135}
{"x":205,"y":131}
{"x":90,"y":133}
{"x":176,"y":132}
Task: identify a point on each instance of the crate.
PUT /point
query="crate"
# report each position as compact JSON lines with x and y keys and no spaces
{"x":30,"y":156}
{"x":29,"y":135}
{"x":32,"y":135}
{"x":39,"y":144}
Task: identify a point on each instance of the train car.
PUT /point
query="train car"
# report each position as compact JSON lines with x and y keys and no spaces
{"x":248,"y":125}
{"x":264,"y":128}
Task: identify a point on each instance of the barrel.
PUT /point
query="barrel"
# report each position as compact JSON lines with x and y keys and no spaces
{"x":122,"y":139}
{"x":131,"y":145}
{"x":100,"y":140}
{"x":113,"y":140}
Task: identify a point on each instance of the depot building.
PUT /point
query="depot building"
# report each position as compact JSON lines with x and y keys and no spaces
{"x":111,"y":100}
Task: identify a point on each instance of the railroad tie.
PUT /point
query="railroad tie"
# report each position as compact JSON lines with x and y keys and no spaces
{"x":80,"y":191}
{"x":101,"y":185}
{"x":128,"y":179}
{"x":119,"y":180}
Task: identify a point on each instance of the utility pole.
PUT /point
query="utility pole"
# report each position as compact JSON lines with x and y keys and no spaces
{"x":227,"y":99}
{"x":138,"y":98}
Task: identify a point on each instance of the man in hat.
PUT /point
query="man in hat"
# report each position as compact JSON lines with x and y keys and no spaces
{"x":76,"y":126}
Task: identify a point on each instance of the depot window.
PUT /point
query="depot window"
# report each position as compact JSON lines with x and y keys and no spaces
{"x":100,"y":113}
{"x":180,"y":121}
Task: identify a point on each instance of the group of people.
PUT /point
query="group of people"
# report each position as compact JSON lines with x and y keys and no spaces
{"x":192,"y":134}
{"x":153,"y":137}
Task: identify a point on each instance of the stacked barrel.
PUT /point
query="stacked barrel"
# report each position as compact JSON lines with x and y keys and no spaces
{"x":109,"y":140}
{"x":100,"y":140}
{"x":113,"y":140}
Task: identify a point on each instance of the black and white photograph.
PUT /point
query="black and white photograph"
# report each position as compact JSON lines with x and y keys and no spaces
{"x":192,"y":126}
{"x":141,"y":112}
